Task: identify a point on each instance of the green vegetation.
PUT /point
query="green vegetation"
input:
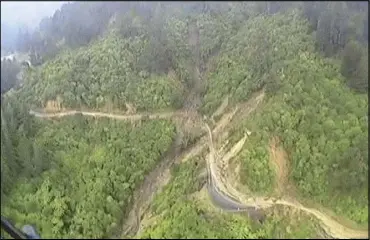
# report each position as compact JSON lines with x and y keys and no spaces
{"x":325,"y":145}
{"x":284,"y":225}
{"x":250,"y":59}
{"x":9,"y":71}
{"x":355,"y":66}
{"x":255,"y":171}
{"x":75,"y":177}
{"x":319,"y":141}
{"x":99,"y":75}
{"x":184,"y":216}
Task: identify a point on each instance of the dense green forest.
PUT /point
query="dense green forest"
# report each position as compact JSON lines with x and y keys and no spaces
{"x":326,"y":146}
{"x":105,"y":73}
{"x":76,"y":176}
{"x":318,"y":140}
{"x":183,"y":37}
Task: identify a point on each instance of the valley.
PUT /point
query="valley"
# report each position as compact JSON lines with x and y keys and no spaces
{"x":190,"y":120}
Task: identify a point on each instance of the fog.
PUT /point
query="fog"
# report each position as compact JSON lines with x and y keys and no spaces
{"x":15,"y":15}
{"x":27,"y":13}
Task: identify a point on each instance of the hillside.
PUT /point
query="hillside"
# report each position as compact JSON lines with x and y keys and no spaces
{"x":164,"y":114}
{"x":103,"y":74}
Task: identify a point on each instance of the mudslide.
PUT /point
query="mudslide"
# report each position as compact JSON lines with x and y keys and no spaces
{"x":221,"y":190}
{"x":331,"y":226}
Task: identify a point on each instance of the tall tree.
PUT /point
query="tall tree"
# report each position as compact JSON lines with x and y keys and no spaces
{"x":354,"y":66}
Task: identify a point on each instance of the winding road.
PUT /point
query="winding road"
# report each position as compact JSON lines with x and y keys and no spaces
{"x":220,"y":191}
{"x":250,"y":204}
{"x":108,"y":115}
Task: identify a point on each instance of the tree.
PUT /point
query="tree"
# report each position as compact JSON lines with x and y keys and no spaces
{"x":23,"y":40}
{"x":9,"y":72}
{"x":353,"y":67}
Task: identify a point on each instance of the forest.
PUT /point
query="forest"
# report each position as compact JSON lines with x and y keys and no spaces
{"x":76,"y":176}
{"x":9,"y":70}
{"x":102,"y":75}
{"x":318,"y":140}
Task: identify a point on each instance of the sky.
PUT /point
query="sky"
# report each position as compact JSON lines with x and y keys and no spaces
{"x":27,"y":13}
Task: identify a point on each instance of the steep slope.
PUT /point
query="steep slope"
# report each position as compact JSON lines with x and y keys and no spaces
{"x":250,"y":59}
{"x":101,"y":75}
{"x":331,"y":226}
{"x":322,"y":144}
{"x":76,"y":176}
{"x":321,"y":123}
{"x":297,"y":81}
{"x":83,"y":174}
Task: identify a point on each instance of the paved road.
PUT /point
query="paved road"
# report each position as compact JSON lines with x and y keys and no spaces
{"x":218,"y":198}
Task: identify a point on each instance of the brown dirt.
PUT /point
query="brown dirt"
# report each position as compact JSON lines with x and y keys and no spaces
{"x":227,"y":185}
{"x":279,"y":160}
{"x":222,"y":180}
{"x":53,"y":106}
{"x":153,"y":183}
{"x":133,"y":117}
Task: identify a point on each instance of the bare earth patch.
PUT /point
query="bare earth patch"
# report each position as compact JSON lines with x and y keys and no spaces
{"x":153,"y":183}
{"x":279,"y":160}
{"x":330,"y":224}
{"x":218,"y":166}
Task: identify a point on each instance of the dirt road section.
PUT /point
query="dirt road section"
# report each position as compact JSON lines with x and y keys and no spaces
{"x":331,"y":226}
{"x":109,"y":115}
{"x":220,"y":185}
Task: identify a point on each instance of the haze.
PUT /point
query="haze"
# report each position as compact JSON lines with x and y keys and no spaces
{"x":27,"y":13}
